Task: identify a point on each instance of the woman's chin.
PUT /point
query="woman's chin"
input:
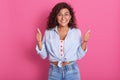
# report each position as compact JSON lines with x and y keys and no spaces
{"x":63,"y":25}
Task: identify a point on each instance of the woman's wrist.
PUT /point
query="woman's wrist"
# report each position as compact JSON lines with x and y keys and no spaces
{"x":84,"y":41}
{"x":39,"y":41}
{"x":39,"y":44}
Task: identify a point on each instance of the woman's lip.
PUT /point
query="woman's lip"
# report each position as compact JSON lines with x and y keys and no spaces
{"x":63,"y":21}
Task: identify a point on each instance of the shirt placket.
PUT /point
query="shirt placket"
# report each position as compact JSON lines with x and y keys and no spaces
{"x":61,"y":48}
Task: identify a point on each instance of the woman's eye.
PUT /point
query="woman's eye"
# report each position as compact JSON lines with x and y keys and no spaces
{"x":66,"y":14}
{"x":59,"y":14}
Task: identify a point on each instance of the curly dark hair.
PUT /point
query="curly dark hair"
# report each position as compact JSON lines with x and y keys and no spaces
{"x":52,"y":21}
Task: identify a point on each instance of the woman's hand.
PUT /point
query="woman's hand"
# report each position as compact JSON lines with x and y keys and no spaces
{"x":85,"y":40}
{"x":86,"y":36}
{"x":39,"y":38}
{"x":39,"y":35}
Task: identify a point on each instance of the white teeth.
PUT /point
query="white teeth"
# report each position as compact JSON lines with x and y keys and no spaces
{"x":63,"y":21}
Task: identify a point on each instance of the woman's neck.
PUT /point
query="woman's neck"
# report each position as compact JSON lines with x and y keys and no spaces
{"x":63,"y":28}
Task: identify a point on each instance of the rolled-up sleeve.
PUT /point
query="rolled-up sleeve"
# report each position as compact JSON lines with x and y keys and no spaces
{"x":81,"y":52}
{"x":43,"y":51}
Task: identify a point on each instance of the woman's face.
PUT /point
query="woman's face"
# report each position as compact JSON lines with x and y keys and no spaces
{"x":63,"y":17}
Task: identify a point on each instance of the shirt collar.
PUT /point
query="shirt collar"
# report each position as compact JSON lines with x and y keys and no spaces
{"x":55,"y":29}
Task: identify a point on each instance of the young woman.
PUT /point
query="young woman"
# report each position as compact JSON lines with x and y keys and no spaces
{"x":62,"y":43}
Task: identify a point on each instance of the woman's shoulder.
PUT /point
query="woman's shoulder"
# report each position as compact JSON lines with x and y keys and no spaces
{"x":77,"y":30}
{"x":47,"y":31}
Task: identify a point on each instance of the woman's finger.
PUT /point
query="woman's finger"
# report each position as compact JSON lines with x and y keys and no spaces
{"x":38,"y":30}
{"x":89,"y":31}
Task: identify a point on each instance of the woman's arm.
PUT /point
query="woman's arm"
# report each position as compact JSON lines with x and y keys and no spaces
{"x":85,"y":40}
{"x":40,"y":47}
{"x":39,"y":38}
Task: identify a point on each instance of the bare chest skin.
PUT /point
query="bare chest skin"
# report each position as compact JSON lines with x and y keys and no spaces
{"x":63,"y":33}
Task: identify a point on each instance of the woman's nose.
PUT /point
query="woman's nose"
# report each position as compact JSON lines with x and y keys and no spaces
{"x":63,"y":16}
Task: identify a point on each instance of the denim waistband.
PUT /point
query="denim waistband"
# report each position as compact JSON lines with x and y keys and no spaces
{"x":67,"y":72}
{"x":66,"y":67}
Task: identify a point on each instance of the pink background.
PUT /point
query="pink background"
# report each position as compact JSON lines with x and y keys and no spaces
{"x":20,"y":18}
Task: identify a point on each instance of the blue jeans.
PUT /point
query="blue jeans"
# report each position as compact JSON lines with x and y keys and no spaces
{"x":68,"y":72}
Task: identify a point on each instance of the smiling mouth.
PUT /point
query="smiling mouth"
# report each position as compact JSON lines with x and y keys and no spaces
{"x":63,"y":21}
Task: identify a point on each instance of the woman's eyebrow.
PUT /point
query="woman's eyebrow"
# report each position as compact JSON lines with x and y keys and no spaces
{"x":67,"y":12}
